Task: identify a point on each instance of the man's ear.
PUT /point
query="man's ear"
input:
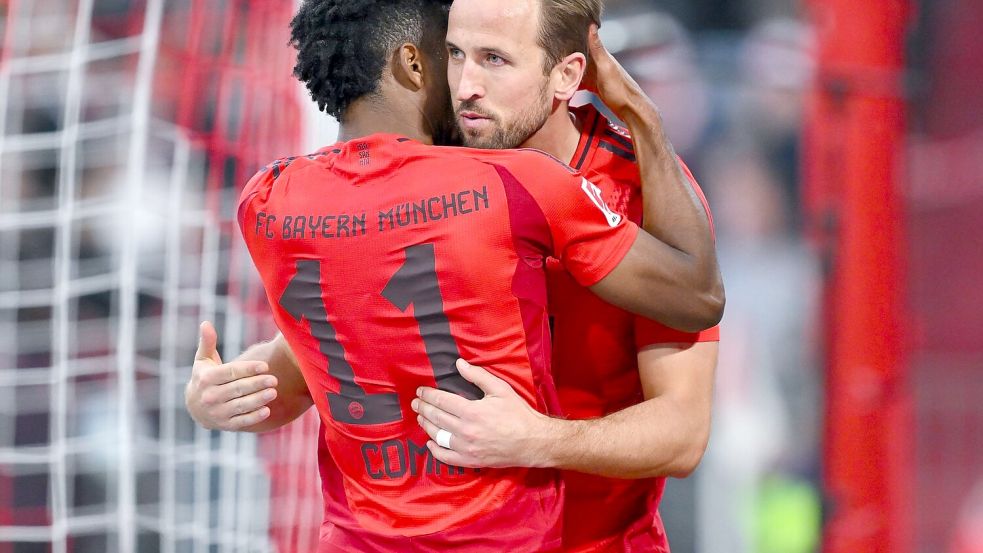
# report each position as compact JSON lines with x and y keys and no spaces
{"x":408,"y":66}
{"x":566,"y":76}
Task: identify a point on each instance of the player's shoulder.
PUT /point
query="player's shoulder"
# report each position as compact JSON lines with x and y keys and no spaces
{"x":267,"y":176}
{"x":520,"y":161}
{"x":530,"y":156}
{"x":539,"y":162}
{"x":261,"y":181}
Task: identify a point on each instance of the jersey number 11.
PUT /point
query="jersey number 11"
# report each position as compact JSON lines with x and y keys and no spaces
{"x":414,"y":283}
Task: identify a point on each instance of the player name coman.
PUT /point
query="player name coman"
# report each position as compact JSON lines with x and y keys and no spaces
{"x":398,"y":458}
{"x":426,"y":210}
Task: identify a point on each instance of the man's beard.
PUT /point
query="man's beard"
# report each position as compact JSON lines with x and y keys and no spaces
{"x":524,"y":124}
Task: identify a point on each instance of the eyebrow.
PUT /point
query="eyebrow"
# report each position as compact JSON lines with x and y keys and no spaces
{"x":484,"y":50}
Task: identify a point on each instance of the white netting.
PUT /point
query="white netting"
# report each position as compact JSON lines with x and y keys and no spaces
{"x":126,"y":129}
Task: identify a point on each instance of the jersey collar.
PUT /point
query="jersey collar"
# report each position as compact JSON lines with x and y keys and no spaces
{"x":591,"y":121}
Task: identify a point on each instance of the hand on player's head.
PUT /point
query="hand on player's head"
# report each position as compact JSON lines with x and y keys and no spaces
{"x":589,"y":82}
{"x":606,"y":77}
{"x":227,"y":396}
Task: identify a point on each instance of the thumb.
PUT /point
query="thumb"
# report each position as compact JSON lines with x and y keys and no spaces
{"x":480,"y":377}
{"x":207,"y":344}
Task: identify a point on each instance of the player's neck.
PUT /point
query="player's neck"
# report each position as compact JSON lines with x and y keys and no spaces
{"x":368,"y":116}
{"x":559,"y":136}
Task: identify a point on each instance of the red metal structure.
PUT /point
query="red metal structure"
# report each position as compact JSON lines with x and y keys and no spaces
{"x":853,"y":168}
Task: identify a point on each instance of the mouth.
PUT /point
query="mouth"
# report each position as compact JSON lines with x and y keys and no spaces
{"x":472,"y":120}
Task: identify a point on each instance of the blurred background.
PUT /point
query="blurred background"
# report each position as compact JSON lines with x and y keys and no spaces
{"x":840,"y":145}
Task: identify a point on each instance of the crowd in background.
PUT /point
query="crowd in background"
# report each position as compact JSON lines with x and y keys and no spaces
{"x":730,"y":79}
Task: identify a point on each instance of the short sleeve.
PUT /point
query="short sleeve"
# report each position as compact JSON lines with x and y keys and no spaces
{"x":588,"y":238}
{"x":699,"y":193}
{"x":649,"y":332}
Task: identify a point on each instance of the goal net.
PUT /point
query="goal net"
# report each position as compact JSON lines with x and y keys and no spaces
{"x":127,"y":128}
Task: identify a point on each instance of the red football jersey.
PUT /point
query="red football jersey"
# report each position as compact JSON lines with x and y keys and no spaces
{"x":595,"y":363}
{"x":384,"y":260}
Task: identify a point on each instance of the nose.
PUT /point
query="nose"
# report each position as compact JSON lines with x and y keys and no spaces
{"x":470,"y":86}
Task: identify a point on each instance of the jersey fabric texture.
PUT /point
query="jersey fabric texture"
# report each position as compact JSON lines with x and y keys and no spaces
{"x":595,"y":363}
{"x":384,"y":260}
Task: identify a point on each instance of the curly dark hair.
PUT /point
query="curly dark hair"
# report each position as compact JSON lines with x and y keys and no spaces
{"x":344,"y":45}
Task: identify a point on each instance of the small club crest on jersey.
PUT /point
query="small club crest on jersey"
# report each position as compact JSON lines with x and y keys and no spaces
{"x":594,"y":193}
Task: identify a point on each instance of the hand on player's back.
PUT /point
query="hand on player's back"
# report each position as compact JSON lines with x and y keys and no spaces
{"x":499,"y":430}
{"x":227,"y":396}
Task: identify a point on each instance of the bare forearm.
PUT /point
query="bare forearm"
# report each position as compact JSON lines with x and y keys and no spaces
{"x":674,"y":262}
{"x":674,"y":214}
{"x":653,"y":438}
{"x":665,"y":435}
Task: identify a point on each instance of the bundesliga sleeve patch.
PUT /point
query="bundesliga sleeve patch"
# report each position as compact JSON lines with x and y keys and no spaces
{"x":594,"y":193}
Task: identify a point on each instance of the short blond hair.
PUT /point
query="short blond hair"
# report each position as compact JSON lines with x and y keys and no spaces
{"x":563,"y":27}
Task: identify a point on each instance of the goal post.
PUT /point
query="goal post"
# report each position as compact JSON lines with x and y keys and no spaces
{"x":126,"y":131}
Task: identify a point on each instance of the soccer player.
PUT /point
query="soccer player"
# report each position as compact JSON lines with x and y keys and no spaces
{"x":336,"y":315}
{"x":641,"y":391}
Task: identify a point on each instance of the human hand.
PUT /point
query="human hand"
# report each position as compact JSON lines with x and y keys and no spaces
{"x":499,"y":430}
{"x":227,"y":396}
{"x":605,"y":76}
